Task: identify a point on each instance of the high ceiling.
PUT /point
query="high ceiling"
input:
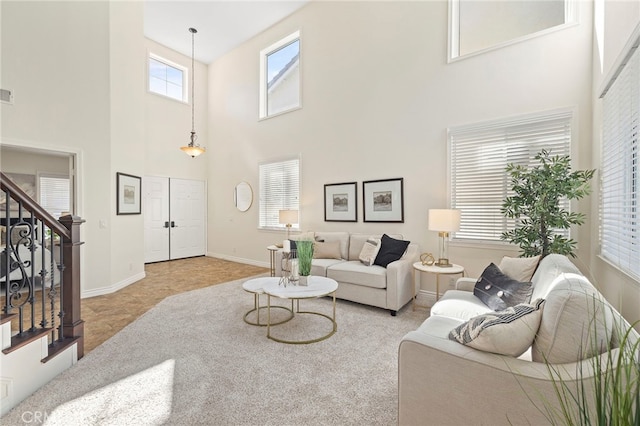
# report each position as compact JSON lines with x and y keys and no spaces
{"x":221,"y":25}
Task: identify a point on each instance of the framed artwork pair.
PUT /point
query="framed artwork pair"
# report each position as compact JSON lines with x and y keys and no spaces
{"x":383,"y":201}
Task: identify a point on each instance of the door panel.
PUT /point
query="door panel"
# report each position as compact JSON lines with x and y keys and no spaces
{"x":156,"y":215}
{"x":187,"y":217}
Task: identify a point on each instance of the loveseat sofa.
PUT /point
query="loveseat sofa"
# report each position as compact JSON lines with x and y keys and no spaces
{"x":388,"y":288}
{"x":444,"y":382}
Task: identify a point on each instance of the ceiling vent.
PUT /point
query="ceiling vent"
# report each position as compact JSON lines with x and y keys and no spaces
{"x":6,"y":96}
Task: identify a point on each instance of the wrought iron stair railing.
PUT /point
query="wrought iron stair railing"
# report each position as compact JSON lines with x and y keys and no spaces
{"x":39,"y":273}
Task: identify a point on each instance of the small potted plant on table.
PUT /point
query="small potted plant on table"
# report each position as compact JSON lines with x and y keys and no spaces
{"x":305,"y":255}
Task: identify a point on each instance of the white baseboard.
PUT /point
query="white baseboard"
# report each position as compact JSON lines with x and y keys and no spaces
{"x":239,"y":260}
{"x":113,"y":288}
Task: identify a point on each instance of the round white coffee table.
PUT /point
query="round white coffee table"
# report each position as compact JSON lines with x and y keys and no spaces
{"x":316,"y":287}
{"x":255,"y":286}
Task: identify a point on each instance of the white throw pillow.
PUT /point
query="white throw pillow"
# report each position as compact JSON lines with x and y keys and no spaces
{"x":509,"y":332}
{"x":519,"y":268}
{"x":369,"y":251}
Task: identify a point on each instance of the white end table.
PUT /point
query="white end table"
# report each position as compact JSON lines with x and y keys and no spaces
{"x":432,"y":269}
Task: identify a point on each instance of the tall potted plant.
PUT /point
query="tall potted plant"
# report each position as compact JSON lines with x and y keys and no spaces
{"x":305,"y":256}
{"x":536,"y":204}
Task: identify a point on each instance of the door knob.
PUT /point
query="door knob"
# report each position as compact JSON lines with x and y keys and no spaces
{"x":166,"y":224}
{"x":173,"y":224}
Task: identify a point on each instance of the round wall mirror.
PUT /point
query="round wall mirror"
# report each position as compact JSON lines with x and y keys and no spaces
{"x":243,"y":196}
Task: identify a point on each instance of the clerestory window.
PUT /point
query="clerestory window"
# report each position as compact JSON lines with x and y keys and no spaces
{"x":167,"y":79}
{"x":280,"y":77}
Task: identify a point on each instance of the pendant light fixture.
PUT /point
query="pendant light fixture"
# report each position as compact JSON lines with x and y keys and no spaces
{"x":193,"y":148}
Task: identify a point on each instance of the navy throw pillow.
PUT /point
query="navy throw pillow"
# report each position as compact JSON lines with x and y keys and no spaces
{"x":499,"y":291}
{"x":390,"y":250}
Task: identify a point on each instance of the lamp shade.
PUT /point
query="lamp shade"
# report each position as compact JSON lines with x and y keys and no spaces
{"x":444,"y":220}
{"x":287,"y":217}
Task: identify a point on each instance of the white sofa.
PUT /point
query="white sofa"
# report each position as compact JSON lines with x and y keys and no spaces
{"x":443,"y":382}
{"x":388,"y":288}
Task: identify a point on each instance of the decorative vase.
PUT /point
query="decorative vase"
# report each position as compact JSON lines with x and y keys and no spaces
{"x":303,"y":280}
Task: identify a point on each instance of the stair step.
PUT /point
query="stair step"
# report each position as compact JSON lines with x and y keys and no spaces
{"x":27,"y":337}
{"x":59,"y":346}
{"x":6,"y":318}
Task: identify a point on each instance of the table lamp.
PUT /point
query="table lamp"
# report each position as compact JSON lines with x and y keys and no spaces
{"x":444,"y":221}
{"x":287,"y":217}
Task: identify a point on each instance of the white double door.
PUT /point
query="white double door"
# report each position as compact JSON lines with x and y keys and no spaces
{"x":174,"y":218}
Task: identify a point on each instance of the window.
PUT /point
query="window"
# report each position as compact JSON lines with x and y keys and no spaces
{"x":478,"y":26}
{"x":479,"y":154}
{"x":54,"y":194}
{"x":167,"y":79}
{"x":279,"y":190}
{"x":280,"y":76}
{"x":619,"y":193}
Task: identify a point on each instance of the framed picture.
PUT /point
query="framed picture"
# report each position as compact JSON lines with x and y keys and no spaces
{"x":383,"y":200}
{"x":129,"y":191}
{"x":341,"y":202}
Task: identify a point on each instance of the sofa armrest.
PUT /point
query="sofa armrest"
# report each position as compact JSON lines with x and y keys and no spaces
{"x":400,"y":283}
{"x":466,"y":283}
{"x":504,"y":390}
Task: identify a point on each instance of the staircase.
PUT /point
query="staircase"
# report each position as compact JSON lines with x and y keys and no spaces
{"x":41,"y":332}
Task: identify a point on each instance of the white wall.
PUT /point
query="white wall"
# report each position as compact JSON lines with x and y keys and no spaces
{"x":621,"y":18}
{"x":168,"y":122}
{"x":19,"y":161}
{"x":378,"y":96}
{"x":127,"y":78}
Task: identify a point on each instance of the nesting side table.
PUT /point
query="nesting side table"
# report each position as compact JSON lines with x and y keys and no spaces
{"x":272,"y":259}
{"x":432,"y":269}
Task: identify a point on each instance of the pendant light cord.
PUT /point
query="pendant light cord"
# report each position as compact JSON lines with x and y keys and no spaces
{"x":193,"y":72}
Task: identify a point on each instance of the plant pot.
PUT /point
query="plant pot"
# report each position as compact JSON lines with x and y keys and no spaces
{"x":303,"y":280}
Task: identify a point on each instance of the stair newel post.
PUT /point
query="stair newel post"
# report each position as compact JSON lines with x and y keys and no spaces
{"x":72,"y":323}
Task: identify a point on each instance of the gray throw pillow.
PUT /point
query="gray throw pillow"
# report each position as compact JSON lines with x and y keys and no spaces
{"x":499,"y":291}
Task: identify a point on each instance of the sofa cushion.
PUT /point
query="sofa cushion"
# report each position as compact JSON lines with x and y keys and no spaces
{"x":369,"y":251}
{"x":576,"y":324}
{"x":499,"y":291}
{"x":390,"y":250}
{"x":326,"y":250}
{"x":319,"y":266}
{"x":354,"y":272}
{"x":519,"y":268}
{"x":508,"y":332}
{"x":459,"y":304}
{"x":439,"y":326}
{"x":548,"y":270}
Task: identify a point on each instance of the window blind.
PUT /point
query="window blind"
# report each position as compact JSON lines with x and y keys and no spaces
{"x":620,"y":227}
{"x":479,"y":154}
{"x":54,"y":194}
{"x":279,"y":189}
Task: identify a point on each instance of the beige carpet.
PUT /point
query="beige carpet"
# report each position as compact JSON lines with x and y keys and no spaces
{"x":192,"y":360}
